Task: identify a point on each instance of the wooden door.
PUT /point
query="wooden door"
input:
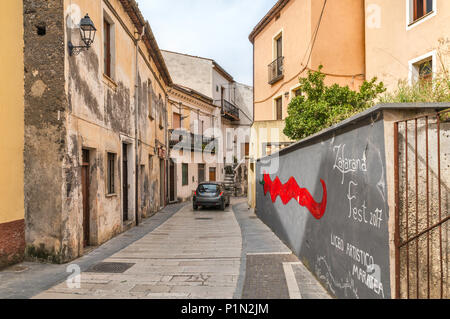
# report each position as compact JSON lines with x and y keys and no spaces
{"x":212,"y":174}
{"x":125,"y":181}
{"x":172,"y":181}
{"x":85,"y":192}
{"x":161,"y":183}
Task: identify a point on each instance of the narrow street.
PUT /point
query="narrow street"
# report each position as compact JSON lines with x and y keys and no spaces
{"x":178,"y":253}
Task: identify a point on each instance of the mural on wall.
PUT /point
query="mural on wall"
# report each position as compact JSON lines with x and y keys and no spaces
{"x":343,"y":240}
{"x":291,"y":190}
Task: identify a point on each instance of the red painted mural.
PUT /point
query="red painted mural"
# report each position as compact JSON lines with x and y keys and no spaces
{"x":291,"y":190}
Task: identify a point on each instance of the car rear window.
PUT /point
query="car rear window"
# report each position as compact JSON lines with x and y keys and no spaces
{"x":208,"y":188}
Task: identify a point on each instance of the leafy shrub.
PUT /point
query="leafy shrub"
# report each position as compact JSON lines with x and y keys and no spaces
{"x":320,"y":106}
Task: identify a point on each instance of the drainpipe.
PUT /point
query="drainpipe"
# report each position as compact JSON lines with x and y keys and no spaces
{"x":167,"y":165}
{"x":136,"y":126}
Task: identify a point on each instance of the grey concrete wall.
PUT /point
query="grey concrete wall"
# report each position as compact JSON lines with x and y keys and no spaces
{"x":348,"y":248}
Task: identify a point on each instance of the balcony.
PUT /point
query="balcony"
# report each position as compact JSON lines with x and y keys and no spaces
{"x":276,"y":70}
{"x":229,"y":110}
{"x":198,"y":142}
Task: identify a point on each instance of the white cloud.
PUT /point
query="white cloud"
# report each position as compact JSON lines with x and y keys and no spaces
{"x":216,"y":29}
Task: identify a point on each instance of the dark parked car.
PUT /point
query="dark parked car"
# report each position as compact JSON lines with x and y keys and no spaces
{"x":211,"y":194}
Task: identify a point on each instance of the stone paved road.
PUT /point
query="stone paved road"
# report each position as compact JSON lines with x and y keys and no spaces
{"x":192,"y":255}
{"x":178,"y":253}
{"x":27,"y":279}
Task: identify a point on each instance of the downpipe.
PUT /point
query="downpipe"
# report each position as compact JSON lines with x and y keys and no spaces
{"x":136,"y":126}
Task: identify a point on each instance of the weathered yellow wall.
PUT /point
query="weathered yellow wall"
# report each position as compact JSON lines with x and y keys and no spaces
{"x":262,"y":132}
{"x":339,"y":48}
{"x":390,"y":45}
{"x":11,"y":111}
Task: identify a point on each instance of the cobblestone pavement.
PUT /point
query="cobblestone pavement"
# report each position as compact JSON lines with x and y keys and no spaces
{"x":308,"y":286}
{"x":269,"y":270}
{"x":178,"y":253}
{"x":192,"y":255}
{"x":27,"y":279}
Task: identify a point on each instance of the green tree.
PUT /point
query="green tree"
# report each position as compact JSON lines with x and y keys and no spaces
{"x":320,"y":106}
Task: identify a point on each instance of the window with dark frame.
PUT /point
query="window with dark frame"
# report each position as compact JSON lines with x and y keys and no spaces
{"x":425,"y":70}
{"x":107,"y":47}
{"x":150,"y":100}
{"x":422,"y":8}
{"x":111,"y":173}
{"x":160,"y":108}
{"x":279,"y":109}
{"x":185,"y":171}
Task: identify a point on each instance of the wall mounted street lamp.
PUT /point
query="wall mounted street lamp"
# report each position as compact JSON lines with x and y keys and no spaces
{"x":87,"y":31}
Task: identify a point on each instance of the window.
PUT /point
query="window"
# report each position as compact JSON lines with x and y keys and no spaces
{"x":279,"y":109}
{"x":419,"y":11}
{"x":421,"y":8}
{"x":150,"y":164}
{"x":209,"y":188}
{"x":268,"y":150}
{"x":201,"y":173}
{"x":247,"y":149}
{"x":160,"y":108}
{"x":111,"y":187}
{"x":276,"y":67}
{"x":150,"y":100}
{"x":176,"y":121}
{"x":425,"y":70}
{"x":185,"y":171}
{"x":422,"y":68}
{"x":107,"y":48}
{"x":279,"y":47}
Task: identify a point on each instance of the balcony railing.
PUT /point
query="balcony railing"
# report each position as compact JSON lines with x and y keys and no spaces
{"x":276,"y":70}
{"x":197,"y":142}
{"x":229,"y":110}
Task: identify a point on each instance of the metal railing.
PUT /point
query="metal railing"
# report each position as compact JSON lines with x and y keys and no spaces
{"x":276,"y":70}
{"x":422,"y":204}
{"x":197,"y":142}
{"x":229,"y":110}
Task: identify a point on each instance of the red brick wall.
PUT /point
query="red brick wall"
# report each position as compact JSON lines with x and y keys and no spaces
{"x":12,"y":242}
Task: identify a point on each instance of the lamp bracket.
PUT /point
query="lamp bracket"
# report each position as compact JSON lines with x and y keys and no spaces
{"x":75,"y":50}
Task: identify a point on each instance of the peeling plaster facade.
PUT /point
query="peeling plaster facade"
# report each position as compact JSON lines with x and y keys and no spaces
{"x":189,"y":107}
{"x":210,"y":79}
{"x":72,"y":109}
{"x":338,"y":46}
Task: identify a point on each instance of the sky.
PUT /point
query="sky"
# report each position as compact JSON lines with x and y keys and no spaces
{"x":215,"y":29}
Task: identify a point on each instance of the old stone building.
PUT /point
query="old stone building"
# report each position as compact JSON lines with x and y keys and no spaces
{"x":95,"y":125}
